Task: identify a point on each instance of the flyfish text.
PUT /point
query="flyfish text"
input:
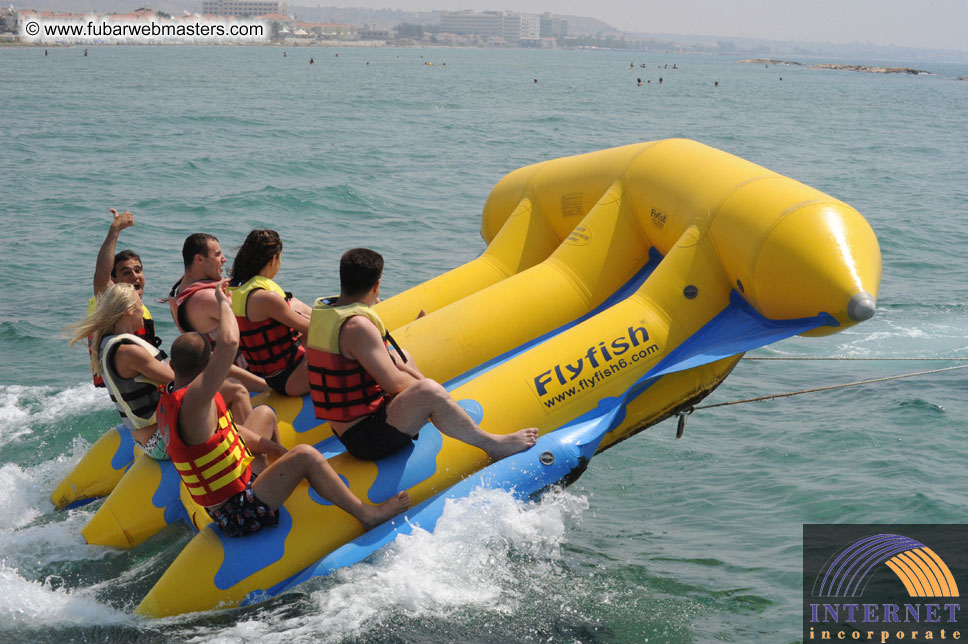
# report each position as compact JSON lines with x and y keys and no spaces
{"x":599,"y":361}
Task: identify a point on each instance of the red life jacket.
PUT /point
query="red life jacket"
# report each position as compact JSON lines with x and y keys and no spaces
{"x":340,"y":388}
{"x":217,"y":469}
{"x":176,"y":299}
{"x":268,"y":346}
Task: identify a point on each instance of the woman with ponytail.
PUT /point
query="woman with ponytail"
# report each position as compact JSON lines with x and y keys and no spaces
{"x":271,"y":320}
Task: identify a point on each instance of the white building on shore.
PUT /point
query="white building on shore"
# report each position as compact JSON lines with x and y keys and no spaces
{"x":552,"y":27}
{"x":492,"y":25}
{"x":242,"y":7}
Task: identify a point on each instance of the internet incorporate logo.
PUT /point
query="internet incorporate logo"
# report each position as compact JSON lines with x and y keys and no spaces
{"x":910,"y":591}
{"x":922,"y":572}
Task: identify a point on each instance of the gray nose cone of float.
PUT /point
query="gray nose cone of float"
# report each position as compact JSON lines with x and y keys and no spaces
{"x":861,"y":307}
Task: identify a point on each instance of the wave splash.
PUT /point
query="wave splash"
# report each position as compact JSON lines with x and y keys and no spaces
{"x":23,"y":408}
{"x":489,"y":553}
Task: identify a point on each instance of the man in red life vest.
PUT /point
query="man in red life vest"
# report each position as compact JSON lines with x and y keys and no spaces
{"x":124,"y":267}
{"x":212,"y":454}
{"x":192,"y":298}
{"x":375,"y":402}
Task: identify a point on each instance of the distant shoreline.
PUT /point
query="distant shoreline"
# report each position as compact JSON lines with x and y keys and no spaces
{"x":871,"y":69}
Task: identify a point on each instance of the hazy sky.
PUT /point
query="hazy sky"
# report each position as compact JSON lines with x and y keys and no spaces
{"x":934,"y":24}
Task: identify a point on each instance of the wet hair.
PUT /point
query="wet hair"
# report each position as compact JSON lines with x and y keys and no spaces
{"x":359,"y":271}
{"x":123,"y":256}
{"x":189,"y":355}
{"x":258,"y":249}
{"x":196,"y":244}
{"x":112,"y":305}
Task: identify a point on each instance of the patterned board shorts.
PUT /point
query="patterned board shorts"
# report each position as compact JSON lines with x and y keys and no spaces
{"x":243,"y":514}
{"x":155,"y":447}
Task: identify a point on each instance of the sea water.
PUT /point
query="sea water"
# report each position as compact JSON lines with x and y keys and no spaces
{"x":661,"y":540}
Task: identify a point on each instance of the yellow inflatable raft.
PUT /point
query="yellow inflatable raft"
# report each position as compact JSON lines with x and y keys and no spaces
{"x":618,"y":287}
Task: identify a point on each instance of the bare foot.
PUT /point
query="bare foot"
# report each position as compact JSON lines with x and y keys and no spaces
{"x":374,"y":515}
{"x":508,"y":444}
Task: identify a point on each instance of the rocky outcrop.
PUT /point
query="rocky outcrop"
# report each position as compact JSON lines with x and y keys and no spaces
{"x":770,"y":61}
{"x":872,"y":70}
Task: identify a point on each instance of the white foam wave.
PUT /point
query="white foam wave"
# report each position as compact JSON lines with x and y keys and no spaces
{"x":35,"y":539}
{"x":487,"y":552}
{"x":32,"y":534}
{"x":37,"y":546}
{"x":26,"y":491}
{"x":33,"y":603}
{"x":908,"y":339}
{"x":23,"y":407}
{"x":19,"y":505}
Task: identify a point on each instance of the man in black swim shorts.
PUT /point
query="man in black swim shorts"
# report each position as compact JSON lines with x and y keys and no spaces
{"x":377,"y":400}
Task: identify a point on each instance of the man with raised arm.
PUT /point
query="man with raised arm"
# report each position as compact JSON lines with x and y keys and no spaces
{"x":212,"y":454}
{"x":192,"y":298}
{"x":124,"y":267}
{"x":377,"y":402}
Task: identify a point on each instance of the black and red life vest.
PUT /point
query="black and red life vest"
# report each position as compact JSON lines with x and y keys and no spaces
{"x":267,"y":346}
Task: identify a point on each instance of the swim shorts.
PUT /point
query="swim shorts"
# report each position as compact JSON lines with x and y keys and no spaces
{"x":278,"y":380}
{"x":243,"y":514}
{"x":155,"y":447}
{"x":373,"y":438}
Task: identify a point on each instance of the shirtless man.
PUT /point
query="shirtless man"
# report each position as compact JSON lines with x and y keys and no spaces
{"x":192,"y":298}
{"x":203,"y":442}
{"x":375,"y":402}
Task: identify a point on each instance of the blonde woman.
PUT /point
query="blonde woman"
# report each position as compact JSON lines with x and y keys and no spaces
{"x":135,"y":371}
{"x":132,"y":369}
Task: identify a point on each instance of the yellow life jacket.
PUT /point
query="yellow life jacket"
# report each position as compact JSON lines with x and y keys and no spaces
{"x":326,"y":322}
{"x":267,"y":346}
{"x":340,"y":388}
